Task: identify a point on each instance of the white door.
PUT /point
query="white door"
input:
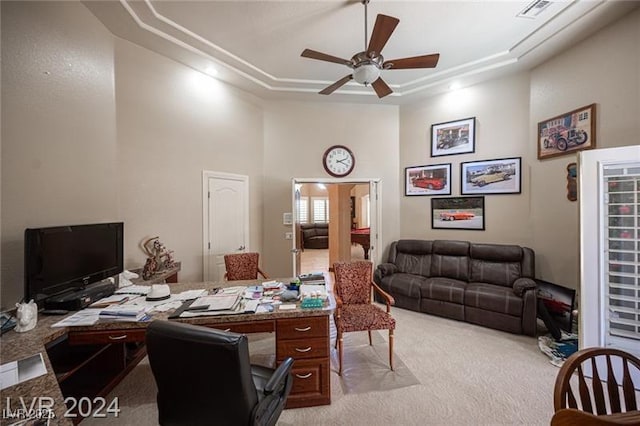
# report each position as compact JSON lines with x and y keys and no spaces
{"x":225,"y":220}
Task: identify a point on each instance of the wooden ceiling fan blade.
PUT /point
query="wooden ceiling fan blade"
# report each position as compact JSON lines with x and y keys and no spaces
{"x":381,"y":88}
{"x":312,"y":54}
{"x":425,"y":61}
{"x":335,"y":86}
{"x":382,"y":30}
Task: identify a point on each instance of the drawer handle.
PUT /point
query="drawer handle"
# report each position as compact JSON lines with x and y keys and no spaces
{"x":304,"y":376}
{"x":303,"y":350}
{"x":302,"y":329}
{"x":124,"y":336}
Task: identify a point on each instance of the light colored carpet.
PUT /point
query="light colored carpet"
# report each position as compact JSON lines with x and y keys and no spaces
{"x":467,"y":375}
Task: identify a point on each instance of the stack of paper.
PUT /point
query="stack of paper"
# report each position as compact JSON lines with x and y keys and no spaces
{"x":124,"y":313}
{"x":114,"y":299}
{"x":134,"y":289}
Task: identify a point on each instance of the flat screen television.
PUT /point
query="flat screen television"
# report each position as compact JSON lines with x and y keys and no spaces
{"x":67,"y":258}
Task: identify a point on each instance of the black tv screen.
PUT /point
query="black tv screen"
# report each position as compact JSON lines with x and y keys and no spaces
{"x":65,"y":258}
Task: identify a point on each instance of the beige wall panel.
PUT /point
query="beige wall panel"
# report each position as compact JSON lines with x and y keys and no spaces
{"x":59,"y":150}
{"x":501,"y":132}
{"x":297,"y":135}
{"x":173,"y":123}
{"x":604,"y":69}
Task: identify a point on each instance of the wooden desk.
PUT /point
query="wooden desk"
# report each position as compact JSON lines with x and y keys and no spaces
{"x":105,"y":352}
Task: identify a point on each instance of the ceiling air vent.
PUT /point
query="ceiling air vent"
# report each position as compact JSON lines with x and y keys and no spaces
{"x":534,"y":8}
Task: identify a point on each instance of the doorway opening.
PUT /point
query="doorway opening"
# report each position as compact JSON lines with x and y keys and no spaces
{"x":334,"y":220}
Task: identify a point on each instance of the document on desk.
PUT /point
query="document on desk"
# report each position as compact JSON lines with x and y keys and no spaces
{"x":19,"y":371}
{"x":87,"y":316}
{"x":216,"y":302}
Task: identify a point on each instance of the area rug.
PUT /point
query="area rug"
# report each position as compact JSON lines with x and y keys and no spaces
{"x":365,"y":368}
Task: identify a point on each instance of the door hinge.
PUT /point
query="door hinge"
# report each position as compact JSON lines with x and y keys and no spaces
{"x":209,"y":246}
{"x":209,"y":194}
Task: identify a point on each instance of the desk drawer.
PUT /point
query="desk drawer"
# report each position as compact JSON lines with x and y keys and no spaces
{"x":245,"y":327}
{"x":315,"y":347}
{"x":106,"y":336}
{"x":310,"y":383}
{"x":303,"y":328}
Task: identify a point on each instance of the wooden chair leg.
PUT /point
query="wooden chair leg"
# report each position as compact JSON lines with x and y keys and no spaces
{"x":391,"y":349}
{"x":370,"y":342}
{"x":339,"y":355}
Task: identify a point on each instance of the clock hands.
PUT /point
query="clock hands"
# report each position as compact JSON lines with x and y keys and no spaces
{"x":342,"y":160}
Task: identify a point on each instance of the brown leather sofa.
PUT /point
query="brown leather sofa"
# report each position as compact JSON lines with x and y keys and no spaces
{"x":315,"y":235}
{"x":486,"y":284}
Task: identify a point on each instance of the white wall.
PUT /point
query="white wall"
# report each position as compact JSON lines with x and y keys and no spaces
{"x":59,"y":148}
{"x":296,"y":135}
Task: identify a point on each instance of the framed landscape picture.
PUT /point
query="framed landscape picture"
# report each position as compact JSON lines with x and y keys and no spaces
{"x":502,"y":176}
{"x":567,"y":133}
{"x":428,"y":180}
{"x":457,"y":213}
{"x":453,"y":137}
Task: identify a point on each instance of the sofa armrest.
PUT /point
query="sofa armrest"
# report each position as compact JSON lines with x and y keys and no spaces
{"x":385,"y":269}
{"x":389,"y":300}
{"x":522,"y":285}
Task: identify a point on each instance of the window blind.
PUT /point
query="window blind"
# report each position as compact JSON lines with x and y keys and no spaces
{"x":320,"y":210}
{"x":622,"y":251}
{"x":303,"y":209}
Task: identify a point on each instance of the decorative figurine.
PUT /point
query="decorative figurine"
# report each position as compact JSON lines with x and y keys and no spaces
{"x":159,"y":258}
{"x":27,"y":315}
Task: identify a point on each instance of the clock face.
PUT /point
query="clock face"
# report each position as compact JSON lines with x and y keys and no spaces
{"x":338,"y":161}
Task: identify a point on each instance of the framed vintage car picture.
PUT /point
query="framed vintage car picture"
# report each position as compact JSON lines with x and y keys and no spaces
{"x":502,"y":176}
{"x":567,"y":133}
{"x":453,"y":137}
{"x":428,"y":180}
{"x":457,"y":213}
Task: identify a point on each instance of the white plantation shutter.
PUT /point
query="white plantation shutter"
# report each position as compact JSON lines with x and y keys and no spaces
{"x":621,"y":219}
{"x":320,"y":209}
{"x":303,"y":209}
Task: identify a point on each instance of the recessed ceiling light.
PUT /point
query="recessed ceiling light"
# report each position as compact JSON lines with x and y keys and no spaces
{"x":210,"y":70}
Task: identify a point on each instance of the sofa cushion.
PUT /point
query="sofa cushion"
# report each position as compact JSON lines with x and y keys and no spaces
{"x":450,"y":260}
{"x":496,"y":264}
{"x":403,"y":284}
{"x":414,"y":263}
{"x":493,"y":298}
{"x":308,"y":233}
{"x":445,"y":289}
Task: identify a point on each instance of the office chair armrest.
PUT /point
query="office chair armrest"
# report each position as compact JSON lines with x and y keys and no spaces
{"x":278,"y":379}
{"x":262,"y":273}
{"x":389,"y":300}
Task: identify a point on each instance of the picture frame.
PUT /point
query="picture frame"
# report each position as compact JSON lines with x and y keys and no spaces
{"x":428,"y":180}
{"x":500,"y":176}
{"x":567,"y":133}
{"x":453,"y":137}
{"x":457,"y":213}
{"x":559,"y":302}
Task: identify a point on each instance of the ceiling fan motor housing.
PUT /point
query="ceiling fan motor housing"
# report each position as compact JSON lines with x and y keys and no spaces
{"x":366,"y":69}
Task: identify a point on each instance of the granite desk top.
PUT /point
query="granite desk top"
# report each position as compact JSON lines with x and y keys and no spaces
{"x":15,"y":346}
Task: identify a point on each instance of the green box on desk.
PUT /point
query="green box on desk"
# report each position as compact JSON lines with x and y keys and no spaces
{"x":312,"y":303}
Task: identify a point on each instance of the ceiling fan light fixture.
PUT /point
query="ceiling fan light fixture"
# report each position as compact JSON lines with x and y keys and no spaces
{"x":366,"y":73}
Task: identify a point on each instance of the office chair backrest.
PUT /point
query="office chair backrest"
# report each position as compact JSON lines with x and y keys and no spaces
{"x":203,"y":375}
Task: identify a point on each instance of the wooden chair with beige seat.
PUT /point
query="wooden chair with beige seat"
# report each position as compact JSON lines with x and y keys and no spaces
{"x":354,"y":308}
{"x":242,"y":266}
{"x":606,"y":396}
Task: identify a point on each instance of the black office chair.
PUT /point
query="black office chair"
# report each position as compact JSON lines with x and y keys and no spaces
{"x":204,"y":377}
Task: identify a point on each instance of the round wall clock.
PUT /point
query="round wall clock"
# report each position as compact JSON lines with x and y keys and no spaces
{"x":338,"y":161}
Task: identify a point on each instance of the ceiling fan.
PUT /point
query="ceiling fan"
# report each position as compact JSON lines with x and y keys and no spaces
{"x":367,"y":64}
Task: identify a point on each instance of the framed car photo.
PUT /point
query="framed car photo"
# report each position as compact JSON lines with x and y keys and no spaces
{"x":567,"y":133}
{"x":453,"y":137}
{"x":428,"y":180}
{"x":457,"y":213}
{"x":503,"y":176}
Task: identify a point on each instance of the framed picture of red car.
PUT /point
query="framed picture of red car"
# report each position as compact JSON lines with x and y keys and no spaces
{"x":428,"y":180}
{"x":501,"y":176}
{"x":457,"y":213}
{"x":453,"y":137}
{"x":567,"y":133}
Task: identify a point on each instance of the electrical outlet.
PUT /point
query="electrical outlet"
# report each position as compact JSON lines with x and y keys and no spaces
{"x":288,"y":235}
